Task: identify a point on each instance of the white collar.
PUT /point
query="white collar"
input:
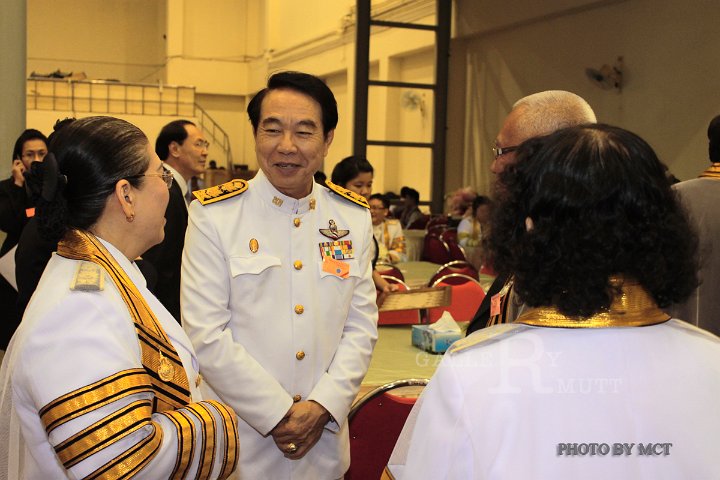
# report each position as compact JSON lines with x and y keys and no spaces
{"x":289,"y":205}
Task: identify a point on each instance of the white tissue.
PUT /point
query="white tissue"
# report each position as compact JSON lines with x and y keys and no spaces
{"x":446,"y":323}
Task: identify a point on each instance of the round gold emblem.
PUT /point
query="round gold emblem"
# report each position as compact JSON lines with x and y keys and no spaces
{"x":166,"y":369}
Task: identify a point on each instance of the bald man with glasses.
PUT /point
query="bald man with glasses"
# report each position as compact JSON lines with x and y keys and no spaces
{"x":532,"y":116}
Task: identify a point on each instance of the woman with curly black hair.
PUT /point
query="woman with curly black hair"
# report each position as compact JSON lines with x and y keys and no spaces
{"x":593,"y":368}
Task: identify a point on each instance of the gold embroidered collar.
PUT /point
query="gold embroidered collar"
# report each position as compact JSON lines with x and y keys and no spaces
{"x":633,"y":307}
{"x":712,"y":172}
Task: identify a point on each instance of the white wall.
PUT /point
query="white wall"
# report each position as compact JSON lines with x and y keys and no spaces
{"x":670,"y":55}
{"x":111,"y":39}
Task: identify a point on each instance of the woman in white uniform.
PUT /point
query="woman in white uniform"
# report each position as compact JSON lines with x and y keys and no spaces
{"x":100,"y":381}
{"x":593,"y":380}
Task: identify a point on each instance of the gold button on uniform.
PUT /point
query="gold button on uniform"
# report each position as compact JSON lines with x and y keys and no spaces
{"x":299,"y":309}
{"x":296,"y":222}
{"x":297,"y":398}
{"x":297,"y":265}
{"x":300,"y":355}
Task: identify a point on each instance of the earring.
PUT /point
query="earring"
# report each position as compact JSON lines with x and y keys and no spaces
{"x":130,"y":217}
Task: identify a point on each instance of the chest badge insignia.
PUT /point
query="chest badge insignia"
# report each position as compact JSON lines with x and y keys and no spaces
{"x":254,"y":245}
{"x":333,"y":232}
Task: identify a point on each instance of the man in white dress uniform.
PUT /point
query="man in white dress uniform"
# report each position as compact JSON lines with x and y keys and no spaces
{"x":277,"y":295}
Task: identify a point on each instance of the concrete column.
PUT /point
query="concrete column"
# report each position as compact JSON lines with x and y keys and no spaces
{"x":13,"y":58}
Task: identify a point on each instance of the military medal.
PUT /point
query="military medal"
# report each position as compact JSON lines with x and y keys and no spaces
{"x":337,"y":250}
{"x":166,"y":369}
{"x":333,"y":232}
{"x":254,"y":245}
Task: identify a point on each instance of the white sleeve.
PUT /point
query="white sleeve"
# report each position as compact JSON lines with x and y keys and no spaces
{"x":237,"y":377}
{"x":436,"y":437}
{"x":338,"y":387}
{"x":79,"y":383}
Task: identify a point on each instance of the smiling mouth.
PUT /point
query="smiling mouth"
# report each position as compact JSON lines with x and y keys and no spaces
{"x":287,"y":165}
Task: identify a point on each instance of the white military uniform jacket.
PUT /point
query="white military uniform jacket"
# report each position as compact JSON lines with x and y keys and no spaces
{"x":507,"y":398}
{"x":271,"y":326}
{"x":71,"y":339}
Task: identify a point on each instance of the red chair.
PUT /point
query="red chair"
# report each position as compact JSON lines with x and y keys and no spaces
{"x":437,"y":220}
{"x":455,"y":267}
{"x":435,"y":250}
{"x":386,"y":269}
{"x":420,"y":223}
{"x":449,"y":235}
{"x":457,"y":252}
{"x":398,"y":317}
{"x":375,"y":422}
{"x":466,"y":299}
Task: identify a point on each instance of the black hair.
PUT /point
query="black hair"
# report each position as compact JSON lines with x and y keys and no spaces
{"x":172,"y":132}
{"x":601,"y":206}
{"x":305,"y":83}
{"x":480,"y":200}
{"x":411,"y":193}
{"x":92,"y":155}
{"x":382,"y":198}
{"x":714,"y":139}
{"x":349,"y":168}
{"x":27,"y":135}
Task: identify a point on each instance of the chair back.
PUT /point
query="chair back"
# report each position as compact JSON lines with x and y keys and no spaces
{"x":435,"y":250}
{"x":386,"y":269}
{"x":437,"y":220}
{"x":466,"y":298}
{"x":375,"y":422}
{"x":454,"y":267}
{"x":398,"y":317}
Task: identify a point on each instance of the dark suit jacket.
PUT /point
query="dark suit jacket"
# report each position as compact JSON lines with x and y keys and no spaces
{"x":13,"y":202}
{"x":480,"y":320}
{"x":166,"y":256}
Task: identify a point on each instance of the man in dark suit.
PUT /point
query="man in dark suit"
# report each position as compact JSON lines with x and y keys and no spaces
{"x":16,"y":207}
{"x":184,"y":149}
{"x":532,"y":116}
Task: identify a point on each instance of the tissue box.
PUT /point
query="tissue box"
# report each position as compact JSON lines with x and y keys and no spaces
{"x":429,"y":340}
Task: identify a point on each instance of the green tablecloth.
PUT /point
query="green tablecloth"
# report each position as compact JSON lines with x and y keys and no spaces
{"x":395,"y":358}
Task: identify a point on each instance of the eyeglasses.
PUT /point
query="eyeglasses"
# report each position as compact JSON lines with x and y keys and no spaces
{"x":498,"y":151}
{"x":167,"y":176}
{"x":202,"y":144}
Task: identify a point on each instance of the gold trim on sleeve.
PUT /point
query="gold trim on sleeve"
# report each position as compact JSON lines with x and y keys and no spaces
{"x":92,"y":397}
{"x":232,"y":452}
{"x":132,"y":461}
{"x":207,"y":442}
{"x":712,"y":172}
{"x":104,"y":432}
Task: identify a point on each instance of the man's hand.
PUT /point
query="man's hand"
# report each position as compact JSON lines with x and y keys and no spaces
{"x":17,"y":173}
{"x":301,"y":427}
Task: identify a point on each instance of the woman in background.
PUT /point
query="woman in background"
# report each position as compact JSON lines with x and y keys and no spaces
{"x":597,"y":243}
{"x":356,"y":174}
{"x":100,"y":381}
{"x":388,"y":232}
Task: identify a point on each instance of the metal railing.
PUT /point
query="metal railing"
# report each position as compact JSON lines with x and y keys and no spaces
{"x":109,"y":97}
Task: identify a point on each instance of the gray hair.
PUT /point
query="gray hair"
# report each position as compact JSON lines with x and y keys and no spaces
{"x":548,"y":111}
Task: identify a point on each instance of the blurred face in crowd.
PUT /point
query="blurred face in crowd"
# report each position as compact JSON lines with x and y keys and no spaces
{"x":289,"y":142}
{"x":362,"y":184}
{"x":378,"y":212}
{"x":510,"y":137}
{"x":33,"y":151}
{"x":482,"y":214}
{"x":189,"y":158}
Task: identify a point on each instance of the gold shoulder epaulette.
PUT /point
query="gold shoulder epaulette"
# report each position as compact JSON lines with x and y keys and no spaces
{"x":487,"y":335}
{"x":88,"y":277}
{"x":347,"y":194}
{"x":221,"y":192}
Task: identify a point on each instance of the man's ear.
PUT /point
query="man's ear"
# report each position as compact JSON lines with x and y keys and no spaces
{"x":529,"y":224}
{"x":328,"y":140}
{"x":174,"y":149}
